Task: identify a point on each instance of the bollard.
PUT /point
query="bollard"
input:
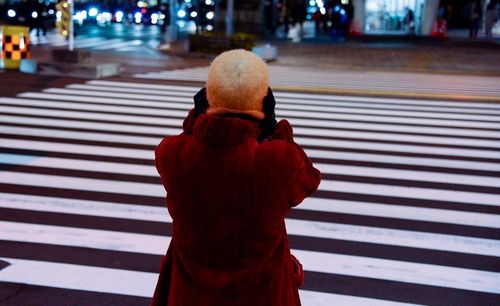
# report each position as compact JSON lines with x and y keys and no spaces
{"x":15,"y":46}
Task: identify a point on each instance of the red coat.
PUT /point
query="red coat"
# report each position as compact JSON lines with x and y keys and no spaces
{"x":228,"y":195}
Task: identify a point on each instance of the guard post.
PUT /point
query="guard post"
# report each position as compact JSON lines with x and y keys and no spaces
{"x":15,"y":46}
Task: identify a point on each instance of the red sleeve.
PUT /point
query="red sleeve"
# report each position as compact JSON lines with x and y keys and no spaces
{"x":301,"y":178}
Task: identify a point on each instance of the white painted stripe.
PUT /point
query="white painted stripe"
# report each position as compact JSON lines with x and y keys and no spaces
{"x":85,"y":207}
{"x":283,"y":113}
{"x":142,"y":110}
{"x":403,"y":160}
{"x":133,"y":283}
{"x":93,"y":116}
{"x":308,"y":77}
{"x":70,"y":94}
{"x":306,"y":96}
{"x":78,"y":164}
{"x":86,"y":184}
{"x":90,"y":99}
{"x":390,"y":119}
{"x":139,"y":140}
{"x":98,"y":126}
{"x":149,"y":170}
{"x":412,"y":192}
{"x":47,"y":146}
{"x":490,"y":91}
{"x":423,"y":176}
{"x":328,"y":230}
{"x":326,"y":185}
{"x":401,"y":212}
{"x":301,"y":140}
{"x":489,"y":144}
{"x":160,"y":214}
{"x":325,"y":143}
{"x":416,"y":273}
{"x":84,"y":237}
{"x":130,"y":98}
{"x":76,"y":277}
{"x":97,"y":103}
{"x":392,"y":270}
{"x":122,"y":43}
{"x":312,"y":298}
{"x":178,"y":122}
{"x":308,"y":104}
{"x":394,"y":128}
{"x":392,"y":237}
{"x":93,"y":43}
{"x":148,"y":154}
{"x":336,"y":101}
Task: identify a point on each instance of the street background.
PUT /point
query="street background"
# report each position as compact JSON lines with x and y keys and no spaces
{"x":406,"y":134}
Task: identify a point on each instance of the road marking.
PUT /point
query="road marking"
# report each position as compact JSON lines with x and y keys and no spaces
{"x":133,"y":283}
{"x":392,"y":270}
{"x":160,"y":214}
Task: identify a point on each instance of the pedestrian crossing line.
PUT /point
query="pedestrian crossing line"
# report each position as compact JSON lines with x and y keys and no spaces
{"x":160,"y":214}
{"x":372,"y":80}
{"x":313,"y":261}
{"x":93,"y":150}
{"x":326,"y":169}
{"x":306,"y":96}
{"x":89,"y":126}
{"x":337,"y":87}
{"x":290,"y":103}
{"x":332,"y":230}
{"x":307,"y":142}
{"x":137,"y":188}
{"x":318,"y":127}
{"x":71,"y":94}
{"x":299,"y":132}
{"x":77,"y":173}
{"x":156,"y":88}
{"x":119,"y":44}
{"x":302,"y":124}
{"x":443,"y":122}
{"x":91,"y":43}
{"x":124,"y":282}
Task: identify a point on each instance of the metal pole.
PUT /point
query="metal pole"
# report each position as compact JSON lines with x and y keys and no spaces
{"x":71,"y":33}
{"x":172,"y":29}
{"x":229,"y":17}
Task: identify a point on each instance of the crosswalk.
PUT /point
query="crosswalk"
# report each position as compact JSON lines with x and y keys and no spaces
{"x":408,"y":211}
{"x":372,"y":82}
{"x":101,"y":43}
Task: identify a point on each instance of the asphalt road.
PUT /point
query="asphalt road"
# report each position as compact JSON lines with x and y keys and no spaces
{"x":407,"y":212}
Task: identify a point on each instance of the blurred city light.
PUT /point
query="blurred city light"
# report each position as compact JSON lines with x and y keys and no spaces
{"x":11,"y":13}
{"x":181,"y":13}
{"x":194,"y":14}
{"x":210,"y":15}
{"x":119,"y":16}
{"x":93,"y":12}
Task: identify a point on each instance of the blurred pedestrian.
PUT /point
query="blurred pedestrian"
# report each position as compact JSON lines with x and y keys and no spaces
{"x":409,"y":21}
{"x":475,"y":15}
{"x":231,"y":177}
{"x":490,"y":18}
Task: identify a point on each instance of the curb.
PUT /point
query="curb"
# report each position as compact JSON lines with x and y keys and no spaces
{"x":390,"y":94}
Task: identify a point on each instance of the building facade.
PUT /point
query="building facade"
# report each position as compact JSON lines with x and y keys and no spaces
{"x":393,"y":17}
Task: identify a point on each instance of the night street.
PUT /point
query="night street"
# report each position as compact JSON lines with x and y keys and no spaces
{"x":407,"y":212}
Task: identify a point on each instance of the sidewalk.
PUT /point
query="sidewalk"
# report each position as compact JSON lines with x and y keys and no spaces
{"x":457,"y":55}
{"x":423,"y":57}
